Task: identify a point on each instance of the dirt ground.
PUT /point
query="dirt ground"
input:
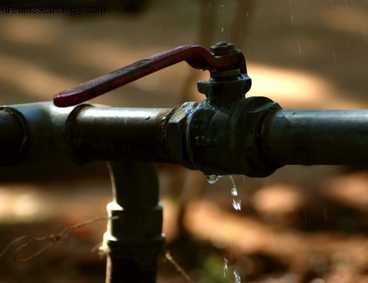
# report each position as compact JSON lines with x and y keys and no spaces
{"x":302,"y":224}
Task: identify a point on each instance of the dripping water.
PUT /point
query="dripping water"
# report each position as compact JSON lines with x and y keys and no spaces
{"x":231,"y":271}
{"x":213,"y":179}
{"x":237,"y":277}
{"x":226,"y":267}
{"x":236,"y":203}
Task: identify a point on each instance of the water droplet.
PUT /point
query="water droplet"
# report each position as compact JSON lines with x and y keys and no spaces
{"x":300,"y":50}
{"x":226,"y":267}
{"x":292,"y":19}
{"x":237,"y":205}
{"x":213,"y":179}
{"x":234,"y":192}
{"x":234,"y":272}
{"x":237,"y":277}
{"x":236,"y":201}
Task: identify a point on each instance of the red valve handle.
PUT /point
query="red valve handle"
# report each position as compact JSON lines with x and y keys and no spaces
{"x":196,"y":56}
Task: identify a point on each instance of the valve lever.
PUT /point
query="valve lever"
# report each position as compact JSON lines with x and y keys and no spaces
{"x":196,"y":56}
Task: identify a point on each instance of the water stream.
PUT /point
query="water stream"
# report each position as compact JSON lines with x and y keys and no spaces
{"x":236,"y":201}
{"x":230,"y":270}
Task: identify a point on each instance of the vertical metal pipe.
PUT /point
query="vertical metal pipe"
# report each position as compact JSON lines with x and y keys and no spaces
{"x":134,"y":238}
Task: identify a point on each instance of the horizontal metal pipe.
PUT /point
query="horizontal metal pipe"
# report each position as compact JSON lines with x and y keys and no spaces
{"x":312,"y":137}
{"x":105,"y":133}
{"x":195,"y":136}
{"x":46,"y":153}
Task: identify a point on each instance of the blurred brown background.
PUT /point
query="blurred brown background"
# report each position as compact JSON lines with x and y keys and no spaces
{"x":302,"y":224}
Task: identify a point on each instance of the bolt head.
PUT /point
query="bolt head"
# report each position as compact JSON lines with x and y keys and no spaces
{"x":222,"y":48}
